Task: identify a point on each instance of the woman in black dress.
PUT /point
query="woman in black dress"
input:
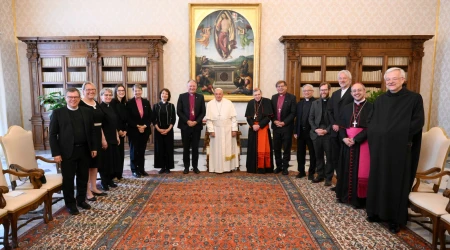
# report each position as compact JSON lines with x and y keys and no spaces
{"x":89,"y":93}
{"x":164,"y":119}
{"x":111,"y":153}
{"x":119,"y":103}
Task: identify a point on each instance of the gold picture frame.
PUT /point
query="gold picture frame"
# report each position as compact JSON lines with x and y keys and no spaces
{"x":224,"y":44}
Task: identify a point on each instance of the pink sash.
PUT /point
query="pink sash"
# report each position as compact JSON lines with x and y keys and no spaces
{"x":364,"y":163}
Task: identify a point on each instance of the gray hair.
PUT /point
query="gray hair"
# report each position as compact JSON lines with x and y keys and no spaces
{"x":106,"y":90}
{"x":402,"y":72}
{"x":307,"y":85}
{"x":137,"y":86}
{"x":347,"y":73}
{"x":87,"y":83}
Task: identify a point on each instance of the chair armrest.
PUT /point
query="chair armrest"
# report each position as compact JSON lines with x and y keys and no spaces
{"x":58,"y":165}
{"x":3,"y":190}
{"x":420,"y":177}
{"x":429,"y":171}
{"x":34,"y":174}
{"x":447,"y":194}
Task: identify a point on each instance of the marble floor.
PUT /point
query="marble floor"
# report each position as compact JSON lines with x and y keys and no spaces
{"x":50,"y":168}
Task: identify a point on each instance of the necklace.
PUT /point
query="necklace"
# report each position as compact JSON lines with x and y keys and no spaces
{"x":257,"y":108}
{"x":355,"y":117}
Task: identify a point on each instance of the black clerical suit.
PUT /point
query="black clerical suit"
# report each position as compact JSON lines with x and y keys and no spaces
{"x":302,"y":129}
{"x":137,"y":140}
{"x":190,"y":136}
{"x":72,"y":136}
{"x":282,"y":136}
{"x":335,"y":107}
{"x":318,"y":119}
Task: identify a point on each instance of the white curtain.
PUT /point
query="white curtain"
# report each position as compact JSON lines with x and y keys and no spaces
{"x":3,"y":119}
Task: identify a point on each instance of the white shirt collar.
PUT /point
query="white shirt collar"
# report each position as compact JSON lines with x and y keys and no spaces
{"x":363,"y":100}
{"x":72,"y":108}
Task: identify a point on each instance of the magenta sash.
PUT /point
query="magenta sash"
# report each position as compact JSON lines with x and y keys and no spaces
{"x":364,"y":163}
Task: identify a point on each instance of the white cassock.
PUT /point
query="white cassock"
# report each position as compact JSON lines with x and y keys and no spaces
{"x":223,"y":150}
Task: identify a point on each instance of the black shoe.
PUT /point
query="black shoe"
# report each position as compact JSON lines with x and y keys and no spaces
{"x":285,"y":172}
{"x":373,"y":219}
{"x":327,"y":183}
{"x":91,"y":199}
{"x":136,"y":174}
{"x":143,"y":173}
{"x":112,"y":184}
{"x":277,"y":170}
{"x":104,"y":187}
{"x":301,"y":175}
{"x":162,"y":171}
{"x":333,"y":189}
{"x":394,"y":228}
{"x":310,"y":177}
{"x":73,"y":210}
{"x":186,"y":171}
{"x":196,"y":171}
{"x":167,"y":171}
{"x":317,"y":180}
{"x":84,"y":205}
{"x":99,"y":194}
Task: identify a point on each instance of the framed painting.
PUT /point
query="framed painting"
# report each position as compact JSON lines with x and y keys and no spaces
{"x":224,"y":48}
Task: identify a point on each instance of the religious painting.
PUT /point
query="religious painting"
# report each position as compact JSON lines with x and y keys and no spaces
{"x":224,"y":49}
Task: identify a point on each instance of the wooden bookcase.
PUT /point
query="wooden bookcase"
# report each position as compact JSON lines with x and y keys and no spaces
{"x":316,"y":59}
{"x":56,"y":63}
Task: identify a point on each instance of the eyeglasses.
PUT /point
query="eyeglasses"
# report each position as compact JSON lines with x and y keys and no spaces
{"x":107,"y":95}
{"x":72,"y":97}
{"x":281,"y":86}
{"x":88,"y":90}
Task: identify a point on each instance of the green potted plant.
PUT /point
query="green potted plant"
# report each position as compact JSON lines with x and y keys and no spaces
{"x":52,"y":101}
{"x":373,"y":95}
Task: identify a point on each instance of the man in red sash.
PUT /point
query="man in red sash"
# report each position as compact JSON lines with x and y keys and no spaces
{"x":353,"y":178}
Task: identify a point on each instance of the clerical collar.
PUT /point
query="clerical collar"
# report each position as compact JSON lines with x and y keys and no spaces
{"x":360,"y":101}
{"x":190,"y":94}
{"x":72,"y":108}
{"x":324,"y":100}
{"x":307,"y":99}
{"x":281,"y":94}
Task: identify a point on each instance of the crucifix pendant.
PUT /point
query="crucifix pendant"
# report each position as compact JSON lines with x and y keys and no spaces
{"x":254,"y":117}
{"x":279,"y":110}
{"x":354,"y":124}
{"x":192,"y":112}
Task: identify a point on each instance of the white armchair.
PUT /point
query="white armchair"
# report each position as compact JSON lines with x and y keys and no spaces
{"x":19,"y":152}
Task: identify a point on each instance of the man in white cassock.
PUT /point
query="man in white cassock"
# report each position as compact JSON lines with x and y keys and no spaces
{"x":222,"y":126}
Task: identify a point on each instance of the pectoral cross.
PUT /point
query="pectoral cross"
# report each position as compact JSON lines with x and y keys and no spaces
{"x":279,"y":110}
{"x":192,"y":112}
{"x":354,"y":124}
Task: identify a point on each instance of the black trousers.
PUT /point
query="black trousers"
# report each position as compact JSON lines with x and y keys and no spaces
{"x":336,"y":144}
{"x":138,"y":144}
{"x":190,"y":139}
{"x":121,"y":160}
{"x":110,"y":163}
{"x":321,"y":146}
{"x":77,"y":164}
{"x":282,"y":140}
{"x":304,"y":140}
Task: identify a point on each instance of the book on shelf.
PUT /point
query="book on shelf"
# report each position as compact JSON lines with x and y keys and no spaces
{"x":130,"y":92}
{"x":372,"y":61}
{"x":76,"y":62}
{"x":310,"y":76}
{"x":137,"y":76}
{"x":136,"y":61}
{"x":77,"y":76}
{"x":52,"y":77}
{"x":112,"y":61}
{"x":51,"y":62}
{"x":371,"y":76}
{"x":331,"y":75}
{"x":398,"y":60}
{"x":311,"y":60}
{"x":112,"y":76}
{"x":336,"y":61}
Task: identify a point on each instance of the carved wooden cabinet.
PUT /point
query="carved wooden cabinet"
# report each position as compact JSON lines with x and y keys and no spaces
{"x":56,"y":63}
{"x":316,"y":59}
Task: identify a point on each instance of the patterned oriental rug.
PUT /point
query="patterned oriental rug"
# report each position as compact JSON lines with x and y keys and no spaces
{"x":217,"y":211}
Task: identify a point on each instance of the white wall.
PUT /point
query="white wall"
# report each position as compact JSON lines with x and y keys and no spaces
{"x":279,"y":17}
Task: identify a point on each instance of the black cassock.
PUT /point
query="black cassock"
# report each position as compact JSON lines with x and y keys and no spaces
{"x":394,"y":135}
{"x":264,"y":114}
{"x":347,"y":183}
